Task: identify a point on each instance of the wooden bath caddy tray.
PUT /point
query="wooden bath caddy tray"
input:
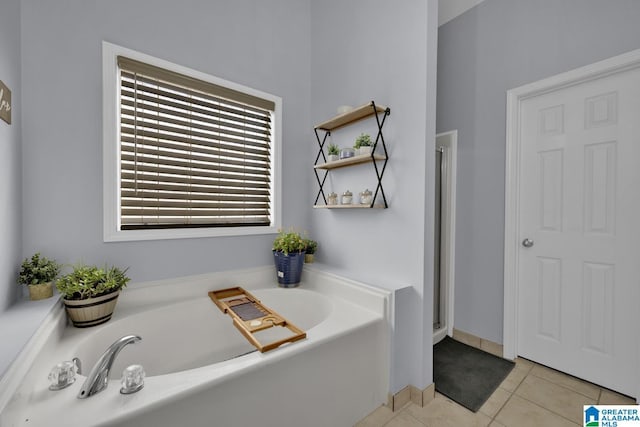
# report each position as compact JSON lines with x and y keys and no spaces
{"x":250,"y":317}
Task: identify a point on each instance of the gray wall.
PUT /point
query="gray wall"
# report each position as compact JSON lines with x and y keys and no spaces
{"x":10,"y":161}
{"x":366,"y":50}
{"x":316,"y":56}
{"x":494,"y":47}
{"x":261,"y":44}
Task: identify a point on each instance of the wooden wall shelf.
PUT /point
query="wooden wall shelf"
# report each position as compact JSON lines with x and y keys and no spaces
{"x":352,"y":116}
{"x":353,"y":206}
{"x":379,"y":161}
{"x":364,"y":158}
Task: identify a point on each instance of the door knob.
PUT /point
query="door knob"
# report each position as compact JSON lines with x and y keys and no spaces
{"x":527,"y":243}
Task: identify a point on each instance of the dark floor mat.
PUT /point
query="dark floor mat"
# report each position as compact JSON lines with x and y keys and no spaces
{"x":465,"y":374}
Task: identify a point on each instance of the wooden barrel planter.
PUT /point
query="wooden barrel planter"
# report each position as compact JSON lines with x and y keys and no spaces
{"x":92,"y":311}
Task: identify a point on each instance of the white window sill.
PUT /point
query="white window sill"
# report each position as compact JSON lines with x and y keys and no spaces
{"x":184,"y":233}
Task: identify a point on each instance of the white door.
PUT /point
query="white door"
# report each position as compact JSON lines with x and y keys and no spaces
{"x":579,"y":270}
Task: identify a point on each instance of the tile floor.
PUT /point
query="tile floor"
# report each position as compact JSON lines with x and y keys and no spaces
{"x":531,"y":395}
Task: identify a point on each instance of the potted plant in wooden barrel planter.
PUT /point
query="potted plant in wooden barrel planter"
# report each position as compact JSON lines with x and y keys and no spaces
{"x":91,"y":293}
{"x":37,"y":273}
{"x":288,"y":255}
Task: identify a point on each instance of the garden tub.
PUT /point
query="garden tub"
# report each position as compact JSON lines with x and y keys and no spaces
{"x":202,"y":371}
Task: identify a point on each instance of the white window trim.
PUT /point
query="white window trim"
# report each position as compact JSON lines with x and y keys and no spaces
{"x":111,"y":154}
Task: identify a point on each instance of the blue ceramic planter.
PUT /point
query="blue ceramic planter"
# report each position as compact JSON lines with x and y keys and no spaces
{"x":288,"y":268}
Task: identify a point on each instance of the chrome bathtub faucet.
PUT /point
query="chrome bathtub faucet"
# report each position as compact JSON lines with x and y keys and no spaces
{"x":98,"y":378}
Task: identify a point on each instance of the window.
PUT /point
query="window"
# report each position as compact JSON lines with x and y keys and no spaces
{"x":194,"y":155}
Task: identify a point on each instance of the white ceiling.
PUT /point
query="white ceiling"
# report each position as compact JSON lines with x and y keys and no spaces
{"x":449,"y":9}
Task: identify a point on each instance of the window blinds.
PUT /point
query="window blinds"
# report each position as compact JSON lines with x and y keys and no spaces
{"x":193,"y":153}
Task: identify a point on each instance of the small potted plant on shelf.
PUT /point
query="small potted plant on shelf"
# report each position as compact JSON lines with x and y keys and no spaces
{"x":310,"y":248}
{"x":288,"y":255}
{"x":37,"y":273}
{"x":363,"y":144}
{"x":91,"y":293}
{"x":333,"y":152}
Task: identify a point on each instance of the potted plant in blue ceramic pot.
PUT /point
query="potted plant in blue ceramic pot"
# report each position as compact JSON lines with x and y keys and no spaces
{"x":288,"y":254}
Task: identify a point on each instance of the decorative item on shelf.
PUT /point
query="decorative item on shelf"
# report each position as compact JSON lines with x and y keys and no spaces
{"x":347,"y":197}
{"x":333,"y":153}
{"x":344,"y":109}
{"x":332,"y":199}
{"x":363,"y":144}
{"x":347,"y":152}
{"x":37,"y":273}
{"x":288,"y":255}
{"x":311,"y":247}
{"x":366,"y":197}
{"x":91,"y":293}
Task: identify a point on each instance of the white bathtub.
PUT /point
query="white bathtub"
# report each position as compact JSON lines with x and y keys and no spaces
{"x":202,"y":371}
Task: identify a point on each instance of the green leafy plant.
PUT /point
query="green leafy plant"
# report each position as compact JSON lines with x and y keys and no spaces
{"x":311,"y":246}
{"x":289,"y":241}
{"x":364,"y":140}
{"x":89,"y":281}
{"x":333,"y":150}
{"x":38,"y":269}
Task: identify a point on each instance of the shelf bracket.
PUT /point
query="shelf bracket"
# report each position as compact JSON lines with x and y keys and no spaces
{"x":324,"y":178}
{"x":380,"y":137}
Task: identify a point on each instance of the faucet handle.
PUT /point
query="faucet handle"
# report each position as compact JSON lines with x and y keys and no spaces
{"x":62,"y":375}
{"x":132,"y":379}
